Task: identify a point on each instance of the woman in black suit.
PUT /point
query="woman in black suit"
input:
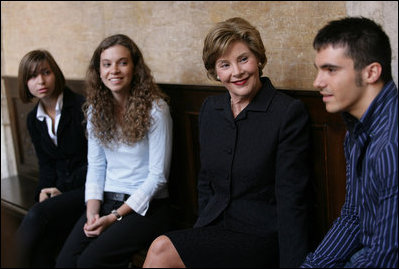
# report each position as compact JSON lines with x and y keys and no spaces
{"x":254,"y":144}
{"x":58,"y":135}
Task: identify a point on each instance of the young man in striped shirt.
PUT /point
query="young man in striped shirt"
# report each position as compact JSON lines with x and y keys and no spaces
{"x":354,"y":77}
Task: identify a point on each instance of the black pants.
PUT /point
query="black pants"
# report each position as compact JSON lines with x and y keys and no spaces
{"x":115,"y":246}
{"x":45,"y":228}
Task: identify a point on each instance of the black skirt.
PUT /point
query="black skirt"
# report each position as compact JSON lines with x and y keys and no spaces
{"x":217,"y":246}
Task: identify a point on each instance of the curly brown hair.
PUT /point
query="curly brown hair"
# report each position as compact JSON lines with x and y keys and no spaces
{"x":137,"y":119}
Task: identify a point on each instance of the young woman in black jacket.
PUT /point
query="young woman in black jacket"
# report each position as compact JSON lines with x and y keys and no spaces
{"x":58,"y":134}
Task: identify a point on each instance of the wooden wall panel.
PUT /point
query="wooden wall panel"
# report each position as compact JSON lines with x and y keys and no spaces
{"x":23,"y":147}
{"x":327,"y":163}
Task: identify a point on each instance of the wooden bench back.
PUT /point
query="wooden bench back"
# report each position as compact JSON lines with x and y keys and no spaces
{"x":327,"y":162}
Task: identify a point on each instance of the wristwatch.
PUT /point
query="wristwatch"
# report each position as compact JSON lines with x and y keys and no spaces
{"x":118,"y":217}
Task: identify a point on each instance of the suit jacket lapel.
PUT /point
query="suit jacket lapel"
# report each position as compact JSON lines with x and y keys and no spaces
{"x":65,"y":114}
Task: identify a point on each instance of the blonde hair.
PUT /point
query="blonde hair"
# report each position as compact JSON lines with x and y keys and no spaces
{"x":137,"y":118}
{"x":223,"y":34}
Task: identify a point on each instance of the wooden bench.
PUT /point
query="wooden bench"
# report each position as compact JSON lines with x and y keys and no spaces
{"x":328,"y":163}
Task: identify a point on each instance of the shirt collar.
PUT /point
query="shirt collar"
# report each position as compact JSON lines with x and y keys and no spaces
{"x":264,"y":97}
{"x":41,"y":114}
{"x":370,"y":117}
{"x":260,"y":102}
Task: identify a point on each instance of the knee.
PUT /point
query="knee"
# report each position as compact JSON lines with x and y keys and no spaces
{"x":160,"y":245}
{"x":35,"y":213}
{"x":34,"y":220}
{"x":159,"y":250}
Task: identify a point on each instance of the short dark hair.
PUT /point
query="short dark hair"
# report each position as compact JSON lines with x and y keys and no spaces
{"x":365,"y":42}
{"x":29,"y":65}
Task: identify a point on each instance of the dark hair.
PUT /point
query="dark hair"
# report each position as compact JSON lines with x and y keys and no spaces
{"x":29,"y":65}
{"x":225,"y":33}
{"x":365,"y":42}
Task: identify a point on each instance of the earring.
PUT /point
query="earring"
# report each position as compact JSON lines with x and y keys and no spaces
{"x":217,"y":77}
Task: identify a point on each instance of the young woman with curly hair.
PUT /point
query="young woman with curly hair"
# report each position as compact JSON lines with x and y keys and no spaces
{"x":130,"y":136}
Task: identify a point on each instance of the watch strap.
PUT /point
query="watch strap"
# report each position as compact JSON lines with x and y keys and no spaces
{"x":115,"y":212}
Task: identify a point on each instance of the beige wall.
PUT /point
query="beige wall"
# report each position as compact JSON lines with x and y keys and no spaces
{"x":386,"y":14}
{"x":170,"y":35}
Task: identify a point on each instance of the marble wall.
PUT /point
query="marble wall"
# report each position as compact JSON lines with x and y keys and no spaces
{"x":170,"y":35}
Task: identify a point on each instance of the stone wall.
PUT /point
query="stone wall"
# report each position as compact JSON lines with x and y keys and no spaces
{"x":170,"y":34}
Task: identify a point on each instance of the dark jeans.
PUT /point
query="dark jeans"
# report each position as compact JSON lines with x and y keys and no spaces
{"x":115,"y":246}
{"x":45,"y":228}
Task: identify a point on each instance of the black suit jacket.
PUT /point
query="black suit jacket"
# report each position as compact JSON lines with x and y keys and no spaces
{"x":254,"y":168}
{"x":63,"y":166}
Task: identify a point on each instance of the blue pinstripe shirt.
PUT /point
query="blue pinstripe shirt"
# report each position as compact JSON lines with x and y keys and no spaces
{"x":369,"y":216}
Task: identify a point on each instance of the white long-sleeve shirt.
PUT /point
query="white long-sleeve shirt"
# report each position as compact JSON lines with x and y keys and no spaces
{"x":140,"y":170}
